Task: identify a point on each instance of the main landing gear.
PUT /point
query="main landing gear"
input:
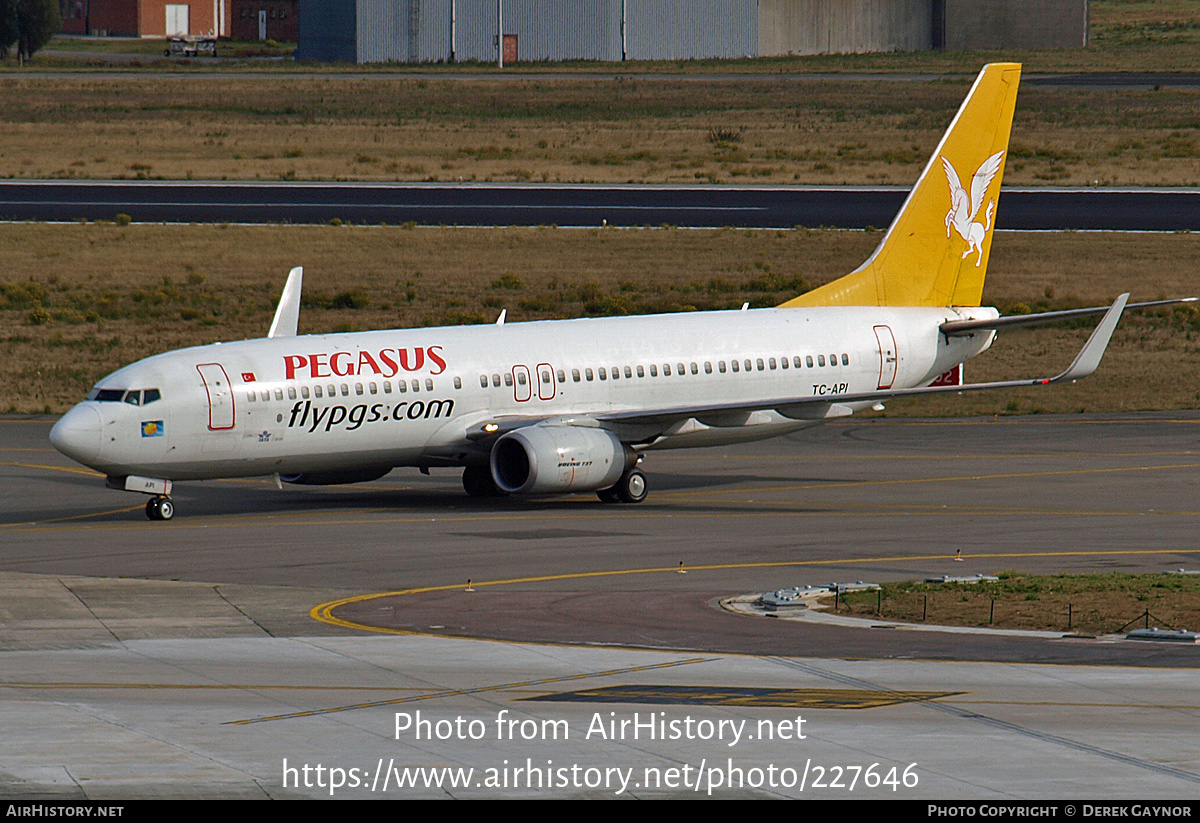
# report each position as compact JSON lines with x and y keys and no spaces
{"x":631,"y":488}
{"x":478,"y":482}
{"x":160,"y":507}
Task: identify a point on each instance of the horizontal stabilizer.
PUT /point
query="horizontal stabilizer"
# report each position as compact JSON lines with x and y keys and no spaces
{"x":954,"y":328}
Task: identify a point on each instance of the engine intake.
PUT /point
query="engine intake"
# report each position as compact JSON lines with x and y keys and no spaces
{"x":555,"y":459}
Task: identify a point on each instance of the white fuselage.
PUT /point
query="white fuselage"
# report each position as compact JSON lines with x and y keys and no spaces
{"x":412,"y":397}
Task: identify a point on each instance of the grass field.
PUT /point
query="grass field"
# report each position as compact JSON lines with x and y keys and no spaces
{"x":79,"y":300}
{"x":573,"y":129}
{"x":1091,"y":604}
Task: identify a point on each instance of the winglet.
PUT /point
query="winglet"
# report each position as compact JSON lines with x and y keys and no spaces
{"x":1089,"y":356}
{"x":287,"y":314}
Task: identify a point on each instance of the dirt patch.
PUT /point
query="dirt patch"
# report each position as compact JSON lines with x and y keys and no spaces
{"x":1089,"y":604}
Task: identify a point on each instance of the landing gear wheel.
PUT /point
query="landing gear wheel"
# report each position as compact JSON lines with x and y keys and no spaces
{"x":477,"y":482}
{"x":631,"y":488}
{"x":607,"y":495}
{"x":160,"y":508}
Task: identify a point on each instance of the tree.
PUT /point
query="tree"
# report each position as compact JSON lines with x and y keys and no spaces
{"x":28,"y":23}
{"x":8,"y":26}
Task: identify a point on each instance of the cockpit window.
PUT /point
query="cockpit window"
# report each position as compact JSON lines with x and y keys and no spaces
{"x":134,"y":397}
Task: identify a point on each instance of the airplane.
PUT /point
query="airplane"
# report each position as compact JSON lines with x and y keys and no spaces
{"x":563,"y":406}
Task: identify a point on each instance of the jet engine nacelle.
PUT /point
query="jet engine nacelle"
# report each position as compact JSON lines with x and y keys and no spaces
{"x":555,"y":459}
{"x":335,"y":478}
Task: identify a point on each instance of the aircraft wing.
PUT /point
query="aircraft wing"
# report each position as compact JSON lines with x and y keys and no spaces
{"x":811,"y":406}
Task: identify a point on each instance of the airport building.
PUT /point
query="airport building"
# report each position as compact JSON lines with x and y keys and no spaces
{"x":239,"y":19}
{"x":145,"y":18}
{"x":431,"y":31}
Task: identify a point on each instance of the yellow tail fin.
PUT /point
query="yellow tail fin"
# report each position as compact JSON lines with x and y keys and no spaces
{"x":935,"y":252}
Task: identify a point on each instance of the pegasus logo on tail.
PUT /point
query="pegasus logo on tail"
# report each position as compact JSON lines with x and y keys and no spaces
{"x":963,"y":211}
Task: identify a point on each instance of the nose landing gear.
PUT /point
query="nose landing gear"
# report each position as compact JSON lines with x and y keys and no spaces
{"x":160,"y":507}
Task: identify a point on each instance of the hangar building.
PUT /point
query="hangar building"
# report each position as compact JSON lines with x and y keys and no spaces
{"x":429,"y":31}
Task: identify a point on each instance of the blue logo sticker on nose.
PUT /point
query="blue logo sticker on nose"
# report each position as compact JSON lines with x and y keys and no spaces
{"x":152,"y":428}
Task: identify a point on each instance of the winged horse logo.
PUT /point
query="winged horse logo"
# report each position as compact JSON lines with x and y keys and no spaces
{"x":963,"y":212}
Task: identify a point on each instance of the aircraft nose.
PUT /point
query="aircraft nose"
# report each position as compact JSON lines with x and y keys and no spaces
{"x":77,"y":434}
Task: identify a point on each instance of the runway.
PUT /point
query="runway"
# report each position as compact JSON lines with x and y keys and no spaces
{"x":498,"y":204}
{"x":180,"y":659}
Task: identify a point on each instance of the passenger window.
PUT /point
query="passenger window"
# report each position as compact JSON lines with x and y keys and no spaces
{"x":457,"y":382}
{"x":666,"y":369}
{"x":588,"y":374}
{"x":508,"y":381}
{"x":496,"y":380}
{"x":641,"y":371}
{"x":402,"y":387}
{"x":653,"y":370}
{"x":820,"y":360}
{"x":150,"y":395}
{"x":760,"y":364}
{"x":304,"y":392}
{"x":746,"y":365}
{"x":616,"y":372}
{"x":562,"y":376}
{"x":628,"y":372}
{"x":251,"y":396}
{"x":771,"y":363}
{"x":721,"y":366}
{"x":428,"y":384}
{"x":603,"y":374}
{"x":833,"y":359}
{"x":483,"y":381}
{"x":695,"y":369}
{"x":345,"y":390}
{"x":845,"y":360}
{"x":373,"y":389}
{"x":679,"y":370}
{"x":575,"y":375}
{"x":734,"y":365}
{"x":808,"y":360}
{"x":134,"y":398}
{"x":317,"y":391}
{"x":387,"y":386}
{"x":265,"y":395}
{"x":291,"y":392}
{"x":416,"y":385}
{"x":796,"y":361}
{"x":521,"y":377}
{"x":279,"y":394}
